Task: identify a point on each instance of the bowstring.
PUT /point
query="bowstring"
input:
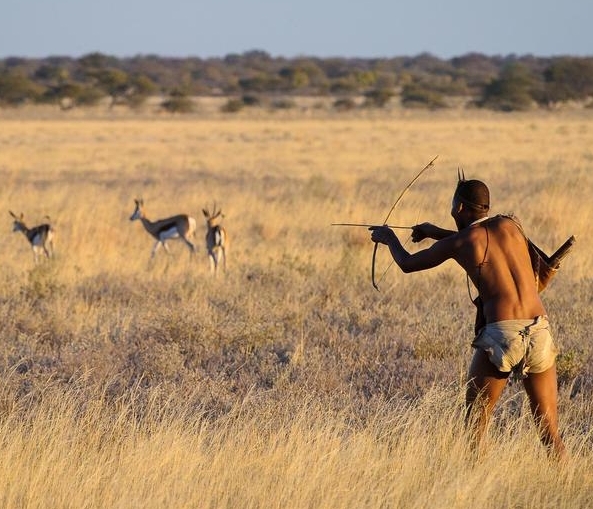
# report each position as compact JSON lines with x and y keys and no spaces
{"x":399,"y":198}
{"x":404,"y":245}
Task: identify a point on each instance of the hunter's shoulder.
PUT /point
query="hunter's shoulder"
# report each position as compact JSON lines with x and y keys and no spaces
{"x":504,"y":221}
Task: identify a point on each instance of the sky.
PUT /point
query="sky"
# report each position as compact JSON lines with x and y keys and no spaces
{"x":314,"y":28}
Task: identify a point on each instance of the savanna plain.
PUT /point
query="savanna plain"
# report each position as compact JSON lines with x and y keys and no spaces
{"x":286,"y":381}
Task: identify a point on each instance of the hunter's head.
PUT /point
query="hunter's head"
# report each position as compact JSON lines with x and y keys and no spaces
{"x":471,"y":201}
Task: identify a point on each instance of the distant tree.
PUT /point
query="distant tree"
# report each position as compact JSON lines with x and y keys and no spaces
{"x":426,"y":63}
{"x":16,"y":88}
{"x":262,"y":82}
{"x":113,"y":82}
{"x":444,"y":84}
{"x":344,"y":104}
{"x":251,"y":100}
{"x":476,"y":70}
{"x":61,"y":94}
{"x":315,"y":74}
{"x":70,"y":94}
{"x":97,"y":61}
{"x":344,"y":86}
{"x":385,"y":80}
{"x":500,"y":82}
{"x":378,"y":97}
{"x":365,"y":78}
{"x":51,"y":74}
{"x":295,"y":77}
{"x":233,"y":105}
{"x":256,"y":55}
{"x":283,"y":104}
{"x":214,"y":76}
{"x":178,"y":102}
{"x":568,"y":79}
{"x":88,"y":96}
{"x":512,"y":91}
{"x":12,"y":62}
{"x":141,"y":87}
{"x":415,"y":95}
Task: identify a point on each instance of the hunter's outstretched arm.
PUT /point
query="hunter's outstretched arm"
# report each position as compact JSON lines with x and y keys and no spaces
{"x":421,"y":260}
{"x":429,"y":231}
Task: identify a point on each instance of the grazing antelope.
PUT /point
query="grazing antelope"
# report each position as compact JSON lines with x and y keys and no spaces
{"x":216,"y":238}
{"x":40,"y":237}
{"x":181,"y":227}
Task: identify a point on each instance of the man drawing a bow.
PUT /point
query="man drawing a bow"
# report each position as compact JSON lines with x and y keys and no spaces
{"x":514,"y":333}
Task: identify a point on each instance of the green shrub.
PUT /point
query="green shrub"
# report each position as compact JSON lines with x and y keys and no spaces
{"x":378,"y":97}
{"x":251,"y":100}
{"x":232,"y":106}
{"x":283,"y":104}
{"x":344,"y":104}
{"x":178,"y":102}
{"x":89,"y":96}
{"x":415,"y":95}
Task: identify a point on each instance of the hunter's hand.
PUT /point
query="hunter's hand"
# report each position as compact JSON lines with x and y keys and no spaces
{"x":382,"y":234}
{"x":422,"y":231}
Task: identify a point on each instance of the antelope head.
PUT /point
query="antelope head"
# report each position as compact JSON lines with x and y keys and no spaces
{"x":19,"y":223}
{"x":212,"y":218}
{"x":139,"y":210}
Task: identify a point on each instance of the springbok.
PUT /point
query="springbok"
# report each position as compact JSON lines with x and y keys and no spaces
{"x":41,"y":237}
{"x":216,"y":238}
{"x":181,"y":227}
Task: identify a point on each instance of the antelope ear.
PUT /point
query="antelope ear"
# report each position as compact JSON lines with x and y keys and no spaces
{"x":12,"y":214}
{"x":205,"y":212}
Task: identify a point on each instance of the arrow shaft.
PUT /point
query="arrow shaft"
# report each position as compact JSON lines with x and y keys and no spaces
{"x":393,"y":227}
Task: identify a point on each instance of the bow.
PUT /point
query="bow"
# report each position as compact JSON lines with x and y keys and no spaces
{"x":399,"y":198}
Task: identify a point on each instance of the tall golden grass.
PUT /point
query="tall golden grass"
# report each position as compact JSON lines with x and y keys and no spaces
{"x":288,"y":381}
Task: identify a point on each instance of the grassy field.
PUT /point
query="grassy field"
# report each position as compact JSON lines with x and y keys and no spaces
{"x":287,"y":381}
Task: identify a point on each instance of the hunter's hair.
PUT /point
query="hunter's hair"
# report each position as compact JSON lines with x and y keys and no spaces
{"x":473,"y":194}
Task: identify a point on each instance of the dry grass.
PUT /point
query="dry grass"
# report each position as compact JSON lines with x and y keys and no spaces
{"x":287,"y":382}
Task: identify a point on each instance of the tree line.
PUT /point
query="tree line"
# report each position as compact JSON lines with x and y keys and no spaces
{"x":505,"y":83}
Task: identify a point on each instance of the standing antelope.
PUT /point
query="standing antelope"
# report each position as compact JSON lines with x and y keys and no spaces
{"x":216,"y":238}
{"x":181,"y":227}
{"x":40,"y":237}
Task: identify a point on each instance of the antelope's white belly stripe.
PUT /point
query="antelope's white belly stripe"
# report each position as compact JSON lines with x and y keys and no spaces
{"x":171,"y":233}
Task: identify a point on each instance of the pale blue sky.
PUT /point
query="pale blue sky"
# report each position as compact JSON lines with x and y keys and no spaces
{"x":365,"y":28}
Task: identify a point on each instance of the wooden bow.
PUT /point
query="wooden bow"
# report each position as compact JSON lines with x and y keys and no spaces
{"x":399,"y":198}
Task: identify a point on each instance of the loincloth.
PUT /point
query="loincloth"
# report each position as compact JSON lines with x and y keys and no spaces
{"x":522,"y":346}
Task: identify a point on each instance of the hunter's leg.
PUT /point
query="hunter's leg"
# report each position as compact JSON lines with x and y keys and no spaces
{"x":542,"y":389}
{"x":484,"y":387}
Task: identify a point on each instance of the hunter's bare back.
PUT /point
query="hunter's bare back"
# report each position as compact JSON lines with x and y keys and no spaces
{"x":496,"y":258}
